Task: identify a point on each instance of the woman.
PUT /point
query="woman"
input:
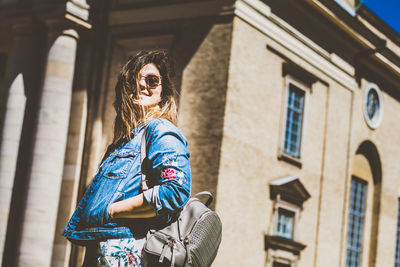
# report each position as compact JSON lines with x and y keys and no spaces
{"x":114,"y":214}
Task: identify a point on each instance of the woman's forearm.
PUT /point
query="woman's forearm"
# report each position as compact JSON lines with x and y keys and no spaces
{"x":134,"y":207}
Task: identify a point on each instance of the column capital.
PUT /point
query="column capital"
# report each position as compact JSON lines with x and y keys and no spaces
{"x":78,"y":8}
{"x":57,"y":28}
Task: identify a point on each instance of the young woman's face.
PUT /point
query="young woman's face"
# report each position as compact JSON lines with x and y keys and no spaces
{"x":149,"y":89}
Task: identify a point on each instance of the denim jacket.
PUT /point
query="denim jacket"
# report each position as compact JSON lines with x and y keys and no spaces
{"x":119,"y":177}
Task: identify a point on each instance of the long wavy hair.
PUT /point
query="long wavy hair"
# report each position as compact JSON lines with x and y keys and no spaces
{"x":129,"y":112}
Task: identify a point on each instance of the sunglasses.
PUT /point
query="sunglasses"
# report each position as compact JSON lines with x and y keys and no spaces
{"x":152,"y":80}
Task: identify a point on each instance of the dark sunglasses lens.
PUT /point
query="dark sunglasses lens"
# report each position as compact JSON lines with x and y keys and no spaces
{"x":152,"y":80}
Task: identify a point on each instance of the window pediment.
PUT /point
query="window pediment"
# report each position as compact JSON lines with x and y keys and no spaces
{"x":289,"y":189}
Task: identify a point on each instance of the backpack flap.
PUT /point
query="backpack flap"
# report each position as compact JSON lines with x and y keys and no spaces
{"x":161,"y":248}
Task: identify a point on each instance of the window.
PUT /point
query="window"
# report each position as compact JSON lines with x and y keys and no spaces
{"x":285,"y":223}
{"x":298,"y":84}
{"x":373,"y":106}
{"x":294,"y":120}
{"x":356,"y":222}
{"x":397,"y":259}
{"x":281,"y":243}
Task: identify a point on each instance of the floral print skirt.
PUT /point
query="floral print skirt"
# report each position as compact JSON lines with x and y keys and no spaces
{"x":120,"y":252}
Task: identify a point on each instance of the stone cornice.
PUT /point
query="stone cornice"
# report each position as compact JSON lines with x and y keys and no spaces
{"x":259,"y":15}
{"x":75,"y":12}
{"x":295,"y":42}
{"x":365,"y":14}
{"x":378,"y":40}
{"x":171,"y":12}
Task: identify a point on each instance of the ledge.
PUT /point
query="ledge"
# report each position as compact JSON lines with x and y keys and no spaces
{"x":278,"y":242}
{"x":292,"y":160}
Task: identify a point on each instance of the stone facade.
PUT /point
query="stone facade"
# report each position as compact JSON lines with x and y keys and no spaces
{"x":237,"y":63}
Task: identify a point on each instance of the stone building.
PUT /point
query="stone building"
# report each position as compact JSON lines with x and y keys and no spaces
{"x":290,"y":109}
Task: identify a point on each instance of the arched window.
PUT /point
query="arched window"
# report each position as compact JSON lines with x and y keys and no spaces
{"x":364,"y":203}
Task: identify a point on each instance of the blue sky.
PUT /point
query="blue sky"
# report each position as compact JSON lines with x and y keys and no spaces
{"x":387,"y":10}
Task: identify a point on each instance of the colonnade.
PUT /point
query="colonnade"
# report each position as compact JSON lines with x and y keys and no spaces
{"x":53,"y":167}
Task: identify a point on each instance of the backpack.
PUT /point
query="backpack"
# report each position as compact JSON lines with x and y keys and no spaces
{"x":190,"y":240}
{"x":193,"y":237}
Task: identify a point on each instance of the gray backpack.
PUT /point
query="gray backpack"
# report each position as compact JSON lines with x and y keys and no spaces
{"x":192,"y":239}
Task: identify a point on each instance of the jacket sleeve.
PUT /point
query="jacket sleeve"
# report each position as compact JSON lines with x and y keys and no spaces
{"x":168,"y":167}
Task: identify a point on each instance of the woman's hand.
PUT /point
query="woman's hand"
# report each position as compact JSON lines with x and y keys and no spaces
{"x":134,"y":207}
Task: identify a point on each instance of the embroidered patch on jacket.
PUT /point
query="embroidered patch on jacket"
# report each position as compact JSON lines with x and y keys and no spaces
{"x":171,"y":173}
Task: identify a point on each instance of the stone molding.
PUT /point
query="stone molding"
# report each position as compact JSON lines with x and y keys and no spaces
{"x":289,"y":188}
{"x":259,"y":15}
{"x":171,"y":12}
{"x":295,"y":42}
{"x":278,"y":242}
{"x":78,"y":8}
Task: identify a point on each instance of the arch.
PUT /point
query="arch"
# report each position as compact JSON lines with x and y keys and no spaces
{"x":367,"y":166}
{"x":369,"y":150}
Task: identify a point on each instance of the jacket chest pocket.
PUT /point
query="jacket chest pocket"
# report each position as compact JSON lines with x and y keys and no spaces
{"x":120,"y":165}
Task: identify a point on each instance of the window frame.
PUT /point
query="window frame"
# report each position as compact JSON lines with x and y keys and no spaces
{"x":287,"y":214}
{"x":365,"y":204}
{"x":282,"y":155}
{"x":374,"y":122}
{"x":290,"y":208}
{"x":287,"y":193}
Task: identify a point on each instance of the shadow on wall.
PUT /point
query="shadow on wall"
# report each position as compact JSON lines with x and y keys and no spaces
{"x":202,"y":52}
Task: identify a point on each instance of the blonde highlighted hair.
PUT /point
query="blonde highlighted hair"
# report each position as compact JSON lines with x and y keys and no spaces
{"x":129,"y":113}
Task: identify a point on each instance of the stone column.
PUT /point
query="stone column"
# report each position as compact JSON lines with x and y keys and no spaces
{"x":49,"y":151}
{"x":74,"y":153}
{"x":14,"y":116}
{"x":21,"y":63}
{"x":71,"y":176}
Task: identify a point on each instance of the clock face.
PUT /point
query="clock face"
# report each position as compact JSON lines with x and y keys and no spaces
{"x":373,"y":106}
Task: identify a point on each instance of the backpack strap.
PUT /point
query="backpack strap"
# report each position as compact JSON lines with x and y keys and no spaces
{"x":143,"y":155}
{"x":205,"y":193}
